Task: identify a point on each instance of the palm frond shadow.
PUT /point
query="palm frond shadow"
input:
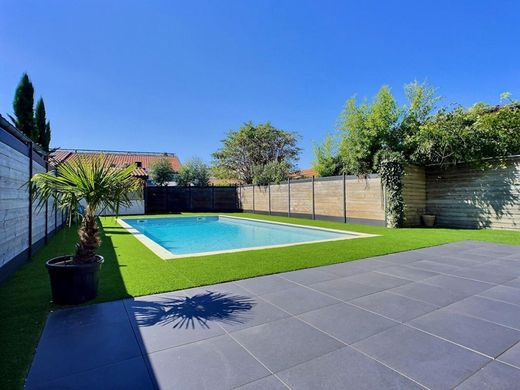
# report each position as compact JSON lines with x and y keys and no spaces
{"x":192,"y":311}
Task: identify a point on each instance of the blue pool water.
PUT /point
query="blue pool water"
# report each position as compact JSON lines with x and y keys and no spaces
{"x":186,"y":235}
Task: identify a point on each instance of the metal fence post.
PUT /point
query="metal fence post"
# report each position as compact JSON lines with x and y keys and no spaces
{"x":213,"y":197}
{"x":344,"y":199}
{"x":289,"y":196}
{"x":313,"y":200}
{"x":30,"y":197}
{"x":269,"y":196}
{"x":253,"y":186}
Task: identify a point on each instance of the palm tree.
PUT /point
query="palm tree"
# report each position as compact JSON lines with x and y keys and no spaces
{"x":93,"y":181}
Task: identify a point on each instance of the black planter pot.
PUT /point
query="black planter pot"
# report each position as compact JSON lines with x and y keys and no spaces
{"x":72,"y":284}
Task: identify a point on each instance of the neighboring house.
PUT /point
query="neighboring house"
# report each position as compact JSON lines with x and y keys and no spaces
{"x":143,"y":160}
{"x":304,"y":173}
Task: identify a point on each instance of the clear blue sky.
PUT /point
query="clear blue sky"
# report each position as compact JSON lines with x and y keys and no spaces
{"x":176,"y":76}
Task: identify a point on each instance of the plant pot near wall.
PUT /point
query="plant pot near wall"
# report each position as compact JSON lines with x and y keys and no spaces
{"x":72,"y":284}
{"x":428,"y":220}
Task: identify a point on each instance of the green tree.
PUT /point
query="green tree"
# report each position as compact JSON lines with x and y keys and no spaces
{"x":368,"y":128}
{"x":194,"y":172}
{"x":23,"y":107}
{"x":42,"y":127}
{"x":251,"y":146}
{"x":460,"y":135}
{"x":327,"y":161}
{"x":272,"y":172}
{"x":161,"y":172}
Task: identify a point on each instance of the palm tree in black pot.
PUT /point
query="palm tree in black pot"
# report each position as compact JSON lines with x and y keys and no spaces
{"x":84,"y":187}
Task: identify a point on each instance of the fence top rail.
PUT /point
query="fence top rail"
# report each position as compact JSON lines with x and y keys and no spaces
{"x":317,"y":179}
{"x":9,"y":128}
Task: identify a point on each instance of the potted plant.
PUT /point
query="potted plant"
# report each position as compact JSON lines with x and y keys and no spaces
{"x":84,"y":188}
{"x":428,"y":220}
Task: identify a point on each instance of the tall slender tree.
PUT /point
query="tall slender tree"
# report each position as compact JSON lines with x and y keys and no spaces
{"x":47,"y":138}
{"x":42,"y":127}
{"x":23,"y":107}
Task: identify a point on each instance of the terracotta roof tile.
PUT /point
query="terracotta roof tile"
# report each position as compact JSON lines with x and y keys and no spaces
{"x":120,"y":159}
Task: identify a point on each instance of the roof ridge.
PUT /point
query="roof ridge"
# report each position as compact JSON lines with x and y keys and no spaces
{"x":119,"y":152}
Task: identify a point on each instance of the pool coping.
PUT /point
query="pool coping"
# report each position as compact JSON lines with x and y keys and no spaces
{"x":165,"y":254}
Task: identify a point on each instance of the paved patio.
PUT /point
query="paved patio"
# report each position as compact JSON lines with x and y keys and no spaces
{"x":439,"y":318}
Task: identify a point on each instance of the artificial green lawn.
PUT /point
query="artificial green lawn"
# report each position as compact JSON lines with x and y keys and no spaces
{"x":131,"y":269}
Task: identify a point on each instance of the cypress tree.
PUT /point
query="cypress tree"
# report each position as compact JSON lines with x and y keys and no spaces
{"x":23,"y":107}
{"x":47,"y":139}
{"x":42,"y":127}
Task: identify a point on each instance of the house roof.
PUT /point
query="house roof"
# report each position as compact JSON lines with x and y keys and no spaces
{"x":304,"y":173}
{"x":118,"y":158}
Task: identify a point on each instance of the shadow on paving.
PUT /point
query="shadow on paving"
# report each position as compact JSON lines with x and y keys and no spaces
{"x":197,"y":310}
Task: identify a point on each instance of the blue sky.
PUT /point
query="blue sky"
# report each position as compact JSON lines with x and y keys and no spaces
{"x":176,"y":76}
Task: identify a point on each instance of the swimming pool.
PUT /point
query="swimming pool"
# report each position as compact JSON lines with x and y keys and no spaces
{"x":196,"y":236}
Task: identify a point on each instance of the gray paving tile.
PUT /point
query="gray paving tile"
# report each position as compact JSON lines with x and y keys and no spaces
{"x":406,"y":257}
{"x":431,"y":361}
{"x":262,"y":312}
{"x":394,"y":306}
{"x":217,"y":363}
{"x":378,"y":280}
{"x":428,"y":293}
{"x":60,"y":321}
{"x":346,"y":322}
{"x":479,"y":335}
{"x":372,"y":263}
{"x":497,"y":250}
{"x":267,"y":383}
{"x":460,"y":285}
{"x":128,"y":374}
{"x":229,"y":288}
{"x":81,"y":349}
{"x":299,"y":300}
{"x":512,"y":356}
{"x":495,"y":311}
{"x":505,"y":266}
{"x":407,"y":273}
{"x":513,"y":283}
{"x":503,"y":293}
{"x":345,"y":288}
{"x":483,"y":274}
{"x":344,"y":368}
{"x":494,"y":376}
{"x":475,"y":258}
{"x":429,"y":265}
{"x":285,"y":343}
{"x":456,"y":261}
{"x":265,"y":284}
{"x":345,"y":269}
{"x":163,"y":323}
{"x":308,"y":276}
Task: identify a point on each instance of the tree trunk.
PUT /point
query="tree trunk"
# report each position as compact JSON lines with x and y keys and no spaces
{"x":88,"y":240}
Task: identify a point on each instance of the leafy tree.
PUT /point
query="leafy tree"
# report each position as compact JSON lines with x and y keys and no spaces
{"x":23,"y":108}
{"x":461,"y":135}
{"x":254,"y":146}
{"x":368,"y":128}
{"x":272,"y":172}
{"x":194,"y":172}
{"x":42,"y":127}
{"x":327,"y":161}
{"x":161,"y":172}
